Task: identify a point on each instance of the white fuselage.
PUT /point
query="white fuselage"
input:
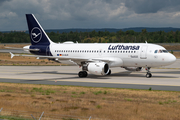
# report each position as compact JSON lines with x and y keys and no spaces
{"x":122,"y":54}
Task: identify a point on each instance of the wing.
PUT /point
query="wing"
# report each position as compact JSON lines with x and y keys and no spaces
{"x":76,"y":60}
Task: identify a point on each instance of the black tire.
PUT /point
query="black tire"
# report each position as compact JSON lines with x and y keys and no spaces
{"x":85,"y":74}
{"x":148,"y":75}
{"x":82,"y":74}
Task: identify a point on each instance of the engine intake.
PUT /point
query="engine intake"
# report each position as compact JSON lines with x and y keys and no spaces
{"x":98,"y":68}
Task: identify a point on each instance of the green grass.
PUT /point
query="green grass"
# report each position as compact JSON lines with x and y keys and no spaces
{"x":98,"y":106}
{"x":167,"y":102}
{"x":150,"y":89}
{"x":105,"y":92}
{"x":9,"y":91}
{"x":49,"y":91}
{"x":2,"y":90}
{"x":102,"y":94}
{"x":43,"y":92}
{"x":74,"y":96}
{"x":73,"y":92}
{"x":82,"y":93}
{"x":33,"y":95}
{"x":128,"y":99}
{"x":13,"y":118}
{"x":37,"y":90}
{"x":97,"y":92}
{"x":69,"y":119}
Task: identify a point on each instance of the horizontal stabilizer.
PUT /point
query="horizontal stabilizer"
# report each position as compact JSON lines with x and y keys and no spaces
{"x":12,"y":55}
{"x":22,"y":49}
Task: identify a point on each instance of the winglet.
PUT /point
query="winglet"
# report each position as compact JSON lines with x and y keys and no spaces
{"x":12,"y":55}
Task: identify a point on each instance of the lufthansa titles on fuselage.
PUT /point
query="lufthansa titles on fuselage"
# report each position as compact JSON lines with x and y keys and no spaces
{"x":123,"y":47}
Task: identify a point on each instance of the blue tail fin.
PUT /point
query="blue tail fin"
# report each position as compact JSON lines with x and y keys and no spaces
{"x":36,"y":32}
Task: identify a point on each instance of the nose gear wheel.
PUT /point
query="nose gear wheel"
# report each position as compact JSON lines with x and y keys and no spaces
{"x":148,"y":75}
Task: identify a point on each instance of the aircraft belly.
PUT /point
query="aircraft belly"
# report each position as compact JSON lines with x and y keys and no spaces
{"x":131,"y":62}
{"x":137,"y":62}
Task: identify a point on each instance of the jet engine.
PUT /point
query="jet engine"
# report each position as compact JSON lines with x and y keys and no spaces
{"x":98,"y":68}
{"x":133,"y":68}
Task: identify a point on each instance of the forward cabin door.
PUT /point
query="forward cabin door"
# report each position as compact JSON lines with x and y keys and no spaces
{"x":143,"y":53}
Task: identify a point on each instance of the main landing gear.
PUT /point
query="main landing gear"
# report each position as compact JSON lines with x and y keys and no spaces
{"x":148,"y":75}
{"x":82,"y":74}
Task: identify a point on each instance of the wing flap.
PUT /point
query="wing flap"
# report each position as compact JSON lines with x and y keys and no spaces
{"x":55,"y":57}
{"x":76,"y":60}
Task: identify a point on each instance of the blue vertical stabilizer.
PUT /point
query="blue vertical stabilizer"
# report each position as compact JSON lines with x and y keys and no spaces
{"x":36,"y":32}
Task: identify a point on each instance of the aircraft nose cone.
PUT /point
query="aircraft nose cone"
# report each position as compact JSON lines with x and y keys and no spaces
{"x":171,"y":58}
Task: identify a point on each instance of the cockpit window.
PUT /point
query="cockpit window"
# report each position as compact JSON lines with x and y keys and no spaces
{"x":164,"y":51}
{"x":160,"y":51}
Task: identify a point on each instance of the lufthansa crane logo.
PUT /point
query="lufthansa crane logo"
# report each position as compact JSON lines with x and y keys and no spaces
{"x":36,"y":34}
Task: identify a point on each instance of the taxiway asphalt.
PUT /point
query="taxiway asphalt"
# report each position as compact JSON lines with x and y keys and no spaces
{"x":164,"y":78}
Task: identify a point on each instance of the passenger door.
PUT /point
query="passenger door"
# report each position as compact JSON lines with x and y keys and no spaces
{"x":143,"y":53}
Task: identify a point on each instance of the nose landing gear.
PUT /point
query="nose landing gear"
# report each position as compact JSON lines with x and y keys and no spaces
{"x":148,"y":75}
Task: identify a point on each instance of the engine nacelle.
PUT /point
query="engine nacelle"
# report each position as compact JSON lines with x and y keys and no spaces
{"x":133,"y":68}
{"x":99,"y":68}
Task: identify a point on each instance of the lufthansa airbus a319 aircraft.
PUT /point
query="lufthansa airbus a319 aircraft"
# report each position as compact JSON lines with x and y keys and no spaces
{"x":96,"y":58}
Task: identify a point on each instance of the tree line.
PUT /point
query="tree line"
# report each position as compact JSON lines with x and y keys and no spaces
{"x":129,"y":36}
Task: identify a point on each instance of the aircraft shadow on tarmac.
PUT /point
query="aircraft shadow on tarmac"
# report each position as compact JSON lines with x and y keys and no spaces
{"x":128,"y":74}
{"x":51,"y":72}
{"x":92,"y":76}
{"x":89,"y":75}
{"x":170,"y":72}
